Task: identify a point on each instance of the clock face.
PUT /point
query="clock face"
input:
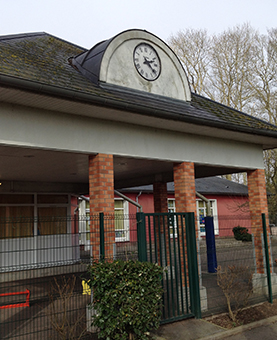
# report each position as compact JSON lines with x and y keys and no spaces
{"x":147,"y":61}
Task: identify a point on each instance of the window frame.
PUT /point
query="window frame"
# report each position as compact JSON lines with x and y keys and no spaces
{"x":200,"y":217}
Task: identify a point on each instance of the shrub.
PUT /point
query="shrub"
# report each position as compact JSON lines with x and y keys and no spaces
{"x":127,"y":298}
{"x":241,"y":234}
{"x":67,"y":322}
{"x":236,"y":284}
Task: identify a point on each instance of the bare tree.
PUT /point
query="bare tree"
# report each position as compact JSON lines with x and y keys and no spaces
{"x":238,"y":68}
{"x":193,"y":48}
{"x":231,"y":67}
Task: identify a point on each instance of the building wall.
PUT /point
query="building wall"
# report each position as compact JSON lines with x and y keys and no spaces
{"x":232,"y":211}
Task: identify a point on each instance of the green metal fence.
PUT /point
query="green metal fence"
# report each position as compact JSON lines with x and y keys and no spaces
{"x":169,"y":239}
{"x":36,"y":262}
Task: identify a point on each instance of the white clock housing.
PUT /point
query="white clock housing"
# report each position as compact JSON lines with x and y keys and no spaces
{"x":137,"y":60}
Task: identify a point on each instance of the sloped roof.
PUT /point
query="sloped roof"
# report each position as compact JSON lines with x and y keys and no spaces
{"x":43,"y":60}
{"x":205,"y":186}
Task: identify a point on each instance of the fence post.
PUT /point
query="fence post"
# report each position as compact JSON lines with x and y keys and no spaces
{"x":141,"y":235}
{"x":102,"y":236}
{"x":210,"y":242}
{"x":193,"y":265}
{"x":267,"y":260}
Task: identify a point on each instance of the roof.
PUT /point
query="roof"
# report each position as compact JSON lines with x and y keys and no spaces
{"x":40,"y":62}
{"x":205,"y":186}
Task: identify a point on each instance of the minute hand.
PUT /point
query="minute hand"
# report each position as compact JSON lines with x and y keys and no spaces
{"x":148,"y":63}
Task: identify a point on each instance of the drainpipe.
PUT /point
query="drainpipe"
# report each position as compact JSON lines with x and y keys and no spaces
{"x":128,"y":199}
{"x":138,"y":198}
{"x":84,"y":198}
{"x":203,"y":198}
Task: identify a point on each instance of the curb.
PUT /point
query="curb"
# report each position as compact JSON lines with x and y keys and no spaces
{"x":238,"y":330}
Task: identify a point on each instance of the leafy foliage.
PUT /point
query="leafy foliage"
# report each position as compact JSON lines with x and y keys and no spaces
{"x":126,"y":297}
{"x":241,"y":234}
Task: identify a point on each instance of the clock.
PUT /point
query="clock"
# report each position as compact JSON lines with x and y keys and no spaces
{"x":147,"y":61}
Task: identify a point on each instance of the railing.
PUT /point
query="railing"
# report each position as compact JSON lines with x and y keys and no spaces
{"x":52,"y":259}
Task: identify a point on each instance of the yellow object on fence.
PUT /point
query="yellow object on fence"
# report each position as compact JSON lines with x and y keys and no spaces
{"x":86,"y":289}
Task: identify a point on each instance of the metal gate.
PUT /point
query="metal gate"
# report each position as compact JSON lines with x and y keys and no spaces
{"x":169,"y":239}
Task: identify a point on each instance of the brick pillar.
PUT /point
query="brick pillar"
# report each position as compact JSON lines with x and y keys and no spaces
{"x":258,"y":205}
{"x":101,"y":193}
{"x":160,"y":197}
{"x":184,"y":182}
{"x":185,"y":199}
{"x":161,"y":206}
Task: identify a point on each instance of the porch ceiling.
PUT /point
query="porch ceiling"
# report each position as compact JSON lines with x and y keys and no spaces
{"x":23,"y":169}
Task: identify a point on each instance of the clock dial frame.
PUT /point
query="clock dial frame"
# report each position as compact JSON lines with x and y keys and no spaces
{"x":147,"y":61}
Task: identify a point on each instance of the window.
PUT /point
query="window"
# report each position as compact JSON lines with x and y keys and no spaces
{"x":172,"y":223}
{"x":26,"y":215}
{"x":121,"y":220}
{"x":202,"y":212}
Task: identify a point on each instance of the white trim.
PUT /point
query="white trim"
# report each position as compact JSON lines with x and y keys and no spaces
{"x":214,"y":213}
{"x":126,"y":228}
{"x":173,"y":210}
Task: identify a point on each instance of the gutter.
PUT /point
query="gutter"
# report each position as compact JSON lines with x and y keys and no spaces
{"x":98,"y":99}
{"x":118,"y":194}
{"x":128,"y":199}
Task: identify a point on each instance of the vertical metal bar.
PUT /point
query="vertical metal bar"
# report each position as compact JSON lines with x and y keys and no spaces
{"x":170,"y":264}
{"x":185,"y":261}
{"x":254,"y":253}
{"x":199,"y":262}
{"x":175,"y":263}
{"x":155,"y":238}
{"x":142,"y":247}
{"x":192,"y":265}
{"x":150,"y":239}
{"x":263,"y":249}
{"x":163,"y":254}
{"x":102,"y":236}
{"x":270,"y":298}
{"x":177,"y":216}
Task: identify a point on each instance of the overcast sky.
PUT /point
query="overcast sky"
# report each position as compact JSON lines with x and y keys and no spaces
{"x":86,"y":22}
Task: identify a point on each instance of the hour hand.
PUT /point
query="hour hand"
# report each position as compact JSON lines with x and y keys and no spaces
{"x":149,"y":62}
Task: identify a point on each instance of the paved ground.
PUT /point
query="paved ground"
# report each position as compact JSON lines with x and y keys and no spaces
{"x":192,"y":329}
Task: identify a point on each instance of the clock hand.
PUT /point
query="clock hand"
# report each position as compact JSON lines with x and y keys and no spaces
{"x":148,"y":63}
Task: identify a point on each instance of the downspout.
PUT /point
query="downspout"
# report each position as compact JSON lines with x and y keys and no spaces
{"x":138,"y":198}
{"x":203,"y":198}
{"x":128,"y":199}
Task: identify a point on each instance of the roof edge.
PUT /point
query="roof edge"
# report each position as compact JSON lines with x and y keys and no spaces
{"x":27,"y":85}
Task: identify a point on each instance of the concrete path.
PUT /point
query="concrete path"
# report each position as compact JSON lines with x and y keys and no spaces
{"x":192,"y":329}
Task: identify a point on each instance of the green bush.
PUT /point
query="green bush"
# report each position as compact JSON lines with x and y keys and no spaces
{"x":241,"y":234}
{"x":127,"y":298}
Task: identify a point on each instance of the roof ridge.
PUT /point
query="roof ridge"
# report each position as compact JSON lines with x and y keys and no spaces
{"x":21,"y":35}
{"x":37,"y":34}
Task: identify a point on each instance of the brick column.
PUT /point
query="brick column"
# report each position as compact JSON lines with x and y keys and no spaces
{"x":184,"y":182}
{"x":101,"y":193}
{"x":161,"y":206}
{"x":185,"y":199}
{"x":258,"y":205}
{"x":160,"y":197}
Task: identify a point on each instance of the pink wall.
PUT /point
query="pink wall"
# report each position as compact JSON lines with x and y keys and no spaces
{"x":232,"y":211}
